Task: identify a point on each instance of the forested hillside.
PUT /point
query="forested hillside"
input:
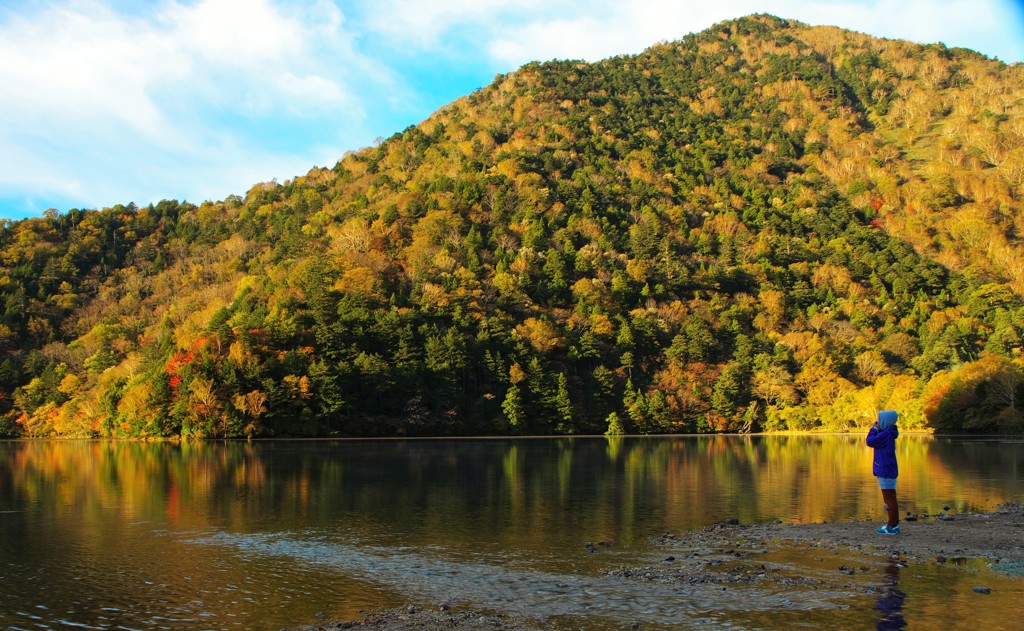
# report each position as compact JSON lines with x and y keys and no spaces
{"x":762,"y":226}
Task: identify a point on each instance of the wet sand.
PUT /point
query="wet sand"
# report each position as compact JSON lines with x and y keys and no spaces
{"x":731,"y":553}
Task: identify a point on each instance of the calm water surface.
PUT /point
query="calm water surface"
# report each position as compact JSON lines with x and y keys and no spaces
{"x":265,"y":535}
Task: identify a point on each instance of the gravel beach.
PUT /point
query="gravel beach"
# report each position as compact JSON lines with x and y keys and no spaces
{"x":730,"y":553}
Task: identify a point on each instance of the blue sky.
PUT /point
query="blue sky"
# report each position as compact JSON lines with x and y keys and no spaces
{"x":116,"y":101}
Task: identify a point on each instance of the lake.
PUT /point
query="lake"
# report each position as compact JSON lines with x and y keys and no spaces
{"x":266,"y":535}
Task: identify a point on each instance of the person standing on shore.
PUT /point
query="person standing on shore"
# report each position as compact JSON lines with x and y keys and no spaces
{"x":882,"y":438}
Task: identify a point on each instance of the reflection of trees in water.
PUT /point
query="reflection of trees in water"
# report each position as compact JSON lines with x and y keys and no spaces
{"x":986,"y":455}
{"x":890,"y":601}
{"x":568,"y":484}
{"x":976,"y":468}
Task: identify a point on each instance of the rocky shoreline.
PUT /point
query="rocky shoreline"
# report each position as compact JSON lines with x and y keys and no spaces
{"x":733,"y":554}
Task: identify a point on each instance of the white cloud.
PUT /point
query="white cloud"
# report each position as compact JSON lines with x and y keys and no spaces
{"x":75,"y":64}
{"x":245,"y":34}
{"x":104,"y":107}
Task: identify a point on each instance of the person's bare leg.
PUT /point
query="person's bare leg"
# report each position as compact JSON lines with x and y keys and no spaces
{"x":892,"y":507}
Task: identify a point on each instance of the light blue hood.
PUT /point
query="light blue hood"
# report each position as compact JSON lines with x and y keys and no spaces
{"x":887,"y":418}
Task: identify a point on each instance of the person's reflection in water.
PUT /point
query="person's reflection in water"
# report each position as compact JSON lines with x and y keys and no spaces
{"x":890,"y":601}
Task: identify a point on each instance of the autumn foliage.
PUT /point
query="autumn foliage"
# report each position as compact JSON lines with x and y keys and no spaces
{"x":763,"y":226}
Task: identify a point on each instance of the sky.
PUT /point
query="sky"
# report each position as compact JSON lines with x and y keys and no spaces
{"x":106,"y":102}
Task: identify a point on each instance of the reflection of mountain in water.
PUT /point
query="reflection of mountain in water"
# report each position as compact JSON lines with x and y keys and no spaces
{"x":87,"y":526}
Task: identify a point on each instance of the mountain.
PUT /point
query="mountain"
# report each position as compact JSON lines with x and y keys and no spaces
{"x":761,"y":226}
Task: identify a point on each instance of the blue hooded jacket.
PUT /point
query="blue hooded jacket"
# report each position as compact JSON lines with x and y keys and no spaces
{"x":883,"y":439}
